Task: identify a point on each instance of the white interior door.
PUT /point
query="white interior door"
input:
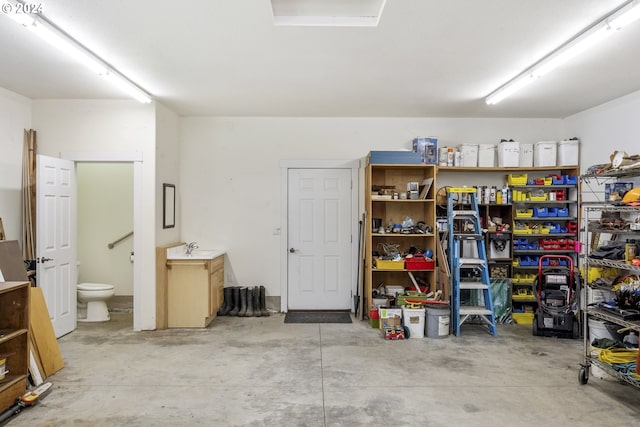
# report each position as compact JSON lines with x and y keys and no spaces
{"x":319,"y":239}
{"x":56,"y":240}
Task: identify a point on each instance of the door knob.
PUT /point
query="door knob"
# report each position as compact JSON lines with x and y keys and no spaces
{"x":292,"y":250}
{"x":44,"y":259}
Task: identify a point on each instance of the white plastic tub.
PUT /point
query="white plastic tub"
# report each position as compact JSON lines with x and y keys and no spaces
{"x":544,"y":153}
{"x":469,"y":153}
{"x":526,"y":155}
{"x":486,"y":155}
{"x":568,"y":152}
{"x":509,"y":154}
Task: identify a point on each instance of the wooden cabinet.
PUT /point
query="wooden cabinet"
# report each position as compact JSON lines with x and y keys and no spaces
{"x":14,"y":340}
{"x":195,"y":291}
{"x":382,"y":211}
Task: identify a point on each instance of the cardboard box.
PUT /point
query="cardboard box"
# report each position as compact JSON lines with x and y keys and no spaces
{"x":393,"y":333}
{"x":390,"y":317}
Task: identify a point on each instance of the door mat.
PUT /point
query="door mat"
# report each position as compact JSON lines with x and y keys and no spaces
{"x":317,"y":317}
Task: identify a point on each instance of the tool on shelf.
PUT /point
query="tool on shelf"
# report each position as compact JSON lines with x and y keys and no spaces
{"x":464,"y":225}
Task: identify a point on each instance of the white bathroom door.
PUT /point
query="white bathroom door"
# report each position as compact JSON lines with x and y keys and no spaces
{"x":56,"y":240}
{"x":319,"y":239}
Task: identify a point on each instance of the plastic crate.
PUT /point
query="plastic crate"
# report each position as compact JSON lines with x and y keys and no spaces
{"x":522,"y":318}
{"x":419,"y":262}
{"x":517,"y":179}
{"x":524,"y":213}
{"x":388,"y":264}
{"x":557,"y":179}
{"x":563,"y":212}
{"x":552,"y":212}
{"x":540,"y":212}
{"x":570,"y":179}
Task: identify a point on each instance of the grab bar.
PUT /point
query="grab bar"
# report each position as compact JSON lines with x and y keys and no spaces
{"x":112,"y":244}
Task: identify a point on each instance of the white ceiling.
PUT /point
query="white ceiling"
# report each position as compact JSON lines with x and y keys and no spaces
{"x":426,"y":58}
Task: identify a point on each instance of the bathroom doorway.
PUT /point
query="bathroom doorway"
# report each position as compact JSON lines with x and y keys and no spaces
{"x":105,"y":229}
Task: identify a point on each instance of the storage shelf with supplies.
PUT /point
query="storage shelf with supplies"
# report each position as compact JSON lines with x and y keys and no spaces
{"x":617,"y":257}
{"x":400,"y":202}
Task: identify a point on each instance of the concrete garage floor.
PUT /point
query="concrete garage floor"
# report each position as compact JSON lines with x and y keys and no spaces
{"x":262,"y":372}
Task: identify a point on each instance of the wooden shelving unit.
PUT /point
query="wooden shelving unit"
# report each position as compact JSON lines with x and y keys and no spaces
{"x":14,"y":340}
{"x":394,"y":212}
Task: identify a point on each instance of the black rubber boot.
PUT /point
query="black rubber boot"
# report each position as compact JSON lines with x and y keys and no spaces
{"x":249,"y":312}
{"x":226,"y":306}
{"x":235,"y":296}
{"x":243,"y":302}
{"x":257,"y":312}
{"x":263,"y":302}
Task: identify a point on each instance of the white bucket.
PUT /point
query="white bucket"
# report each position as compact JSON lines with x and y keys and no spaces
{"x":413,"y":318}
{"x":568,"y":152}
{"x":526,"y":155}
{"x":469,"y":154}
{"x":509,"y":154}
{"x":544,"y":153}
{"x":486,"y":155}
{"x":598,"y":330}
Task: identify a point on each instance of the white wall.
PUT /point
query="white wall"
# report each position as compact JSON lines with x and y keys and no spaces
{"x":612,"y":126}
{"x":604,"y":129}
{"x":15,"y":117}
{"x":105,"y":213}
{"x":230,"y":175}
{"x":167,"y":170}
{"x":111,"y":126}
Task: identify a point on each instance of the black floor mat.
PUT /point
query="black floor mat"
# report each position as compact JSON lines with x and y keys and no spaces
{"x":317,"y":317}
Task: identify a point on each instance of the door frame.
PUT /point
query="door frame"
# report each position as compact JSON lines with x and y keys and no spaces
{"x":134,"y":157}
{"x":285,"y":165}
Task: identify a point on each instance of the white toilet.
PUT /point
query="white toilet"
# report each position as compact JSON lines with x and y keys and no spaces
{"x":95,"y":295}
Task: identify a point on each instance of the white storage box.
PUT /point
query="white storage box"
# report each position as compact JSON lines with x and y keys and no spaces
{"x":544,"y":153}
{"x":568,"y":152}
{"x":509,"y":154}
{"x":526,"y":155}
{"x":469,"y":153}
{"x":486,"y":155}
{"x":413,"y":318}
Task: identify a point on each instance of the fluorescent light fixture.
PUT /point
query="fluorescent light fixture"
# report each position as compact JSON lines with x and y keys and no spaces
{"x":49,"y":32}
{"x":327,"y":13}
{"x":624,"y":15}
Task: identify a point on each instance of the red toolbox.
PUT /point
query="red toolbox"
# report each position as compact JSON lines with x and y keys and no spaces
{"x":419,"y":262}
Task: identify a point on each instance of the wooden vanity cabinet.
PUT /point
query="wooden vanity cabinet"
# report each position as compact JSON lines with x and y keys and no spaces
{"x":195,"y":289}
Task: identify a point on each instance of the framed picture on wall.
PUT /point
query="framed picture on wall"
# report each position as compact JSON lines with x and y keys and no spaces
{"x":168,"y":205}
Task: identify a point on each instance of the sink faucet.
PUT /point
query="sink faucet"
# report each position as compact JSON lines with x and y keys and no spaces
{"x":190,"y":247}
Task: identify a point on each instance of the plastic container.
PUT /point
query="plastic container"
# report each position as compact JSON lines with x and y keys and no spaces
{"x":413,"y":318}
{"x":598,"y":329}
{"x":486,"y":155}
{"x":544,"y":153}
{"x":631,"y":340}
{"x":526,"y":155}
{"x":568,"y":152}
{"x":374,"y":318}
{"x":469,"y":154}
{"x":509,"y":154}
{"x":437,"y":322}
